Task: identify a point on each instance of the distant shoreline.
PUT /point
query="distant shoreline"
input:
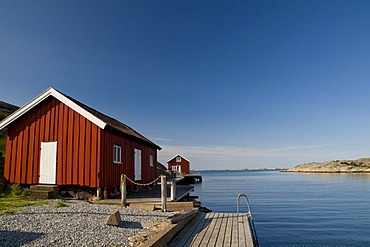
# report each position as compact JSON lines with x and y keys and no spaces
{"x":240,"y":169}
{"x":361,"y":165}
{"x":336,"y":166}
{"x":327,"y":171}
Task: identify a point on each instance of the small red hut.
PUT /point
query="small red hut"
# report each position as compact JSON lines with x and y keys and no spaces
{"x":179,"y":164}
{"x":54,"y":139}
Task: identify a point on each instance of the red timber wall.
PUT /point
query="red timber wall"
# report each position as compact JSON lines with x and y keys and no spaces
{"x":185,"y":165}
{"x":111,"y":172}
{"x":78,"y":142}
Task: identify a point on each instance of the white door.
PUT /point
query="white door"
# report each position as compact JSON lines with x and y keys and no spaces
{"x":48,"y":163}
{"x":137,"y":164}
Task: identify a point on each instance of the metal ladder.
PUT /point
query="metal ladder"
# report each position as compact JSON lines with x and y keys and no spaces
{"x":250,"y":219}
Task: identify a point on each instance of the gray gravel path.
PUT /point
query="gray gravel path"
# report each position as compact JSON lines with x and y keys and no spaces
{"x":79,"y":224}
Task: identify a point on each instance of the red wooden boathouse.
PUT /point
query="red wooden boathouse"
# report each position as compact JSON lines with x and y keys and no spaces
{"x":54,"y":139}
{"x":179,"y":164}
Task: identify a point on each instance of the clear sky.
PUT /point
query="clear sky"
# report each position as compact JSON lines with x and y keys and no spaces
{"x":227,"y":84}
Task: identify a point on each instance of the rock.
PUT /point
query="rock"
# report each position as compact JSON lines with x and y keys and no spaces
{"x":84,"y":195}
{"x":95,"y":198}
{"x":114,"y":219}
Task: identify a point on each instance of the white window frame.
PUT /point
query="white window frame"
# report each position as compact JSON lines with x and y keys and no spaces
{"x":176,"y":168}
{"x":117,"y":154}
{"x":151,"y":160}
{"x":178,"y":159}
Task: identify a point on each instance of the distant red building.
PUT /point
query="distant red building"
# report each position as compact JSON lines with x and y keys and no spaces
{"x":179,"y":164}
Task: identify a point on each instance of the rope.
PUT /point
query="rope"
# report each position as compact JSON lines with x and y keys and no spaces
{"x":147,"y":184}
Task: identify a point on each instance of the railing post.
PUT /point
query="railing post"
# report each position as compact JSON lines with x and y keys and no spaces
{"x":173,"y":191}
{"x":123,"y":190}
{"x":164,"y":192}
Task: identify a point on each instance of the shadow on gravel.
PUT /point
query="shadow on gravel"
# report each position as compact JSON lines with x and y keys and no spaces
{"x":130,"y":225}
{"x":18,"y":238}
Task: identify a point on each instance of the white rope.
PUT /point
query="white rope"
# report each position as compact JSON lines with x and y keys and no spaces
{"x":147,"y":184}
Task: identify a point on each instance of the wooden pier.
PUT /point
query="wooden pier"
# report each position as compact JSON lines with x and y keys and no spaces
{"x":215,"y":229}
{"x":190,"y":179}
{"x":151,"y":199}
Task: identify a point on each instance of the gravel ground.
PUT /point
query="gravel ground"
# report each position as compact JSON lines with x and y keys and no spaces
{"x":79,"y":224}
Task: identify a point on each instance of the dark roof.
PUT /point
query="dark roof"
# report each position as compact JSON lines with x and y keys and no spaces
{"x":114,"y":124}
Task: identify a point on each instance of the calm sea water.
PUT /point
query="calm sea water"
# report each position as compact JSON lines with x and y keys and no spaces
{"x":294,"y":209}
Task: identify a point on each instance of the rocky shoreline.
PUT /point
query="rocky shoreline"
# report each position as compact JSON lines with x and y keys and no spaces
{"x":80,"y":223}
{"x":336,"y":166}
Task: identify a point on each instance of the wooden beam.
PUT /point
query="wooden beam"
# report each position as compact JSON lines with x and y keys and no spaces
{"x":123,"y":191}
{"x":164,"y":192}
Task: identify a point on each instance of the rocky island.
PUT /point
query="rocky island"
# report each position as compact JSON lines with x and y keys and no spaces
{"x":335,"y":166}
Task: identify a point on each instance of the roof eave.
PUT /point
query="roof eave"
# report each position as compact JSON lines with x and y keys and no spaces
{"x":51,"y":92}
{"x":148,"y":142}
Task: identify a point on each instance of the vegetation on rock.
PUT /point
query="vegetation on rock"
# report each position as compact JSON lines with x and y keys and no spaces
{"x":347,"y":166}
{"x":5,"y":110}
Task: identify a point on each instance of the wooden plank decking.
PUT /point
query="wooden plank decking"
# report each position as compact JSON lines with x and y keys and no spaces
{"x":215,"y":229}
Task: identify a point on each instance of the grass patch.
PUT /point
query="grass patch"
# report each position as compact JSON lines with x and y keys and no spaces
{"x":13,"y":198}
{"x":60,"y":204}
{"x":12,"y":205}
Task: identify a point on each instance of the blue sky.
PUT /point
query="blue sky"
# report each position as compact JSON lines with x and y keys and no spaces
{"x":227,"y":84}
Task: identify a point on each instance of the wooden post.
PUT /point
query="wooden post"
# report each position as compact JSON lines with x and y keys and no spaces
{"x":164,"y":192}
{"x":123,"y":191}
{"x":98,"y":193}
{"x":173,"y":191}
{"x":106,"y":193}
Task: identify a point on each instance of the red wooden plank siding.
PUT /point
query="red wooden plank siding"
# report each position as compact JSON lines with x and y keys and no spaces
{"x":8,"y":155}
{"x":111,"y":172}
{"x":76,"y":148}
{"x":78,"y":144}
{"x":18,"y":158}
{"x":24,"y":155}
{"x":31,"y":150}
{"x":13,"y":159}
{"x":61,"y":143}
{"x":94,"y":150}
{"x":51,"y":121}
{"x":88,"y":153}
{"x":98,"y":155}
{"x":129,"y":159}
{"x":81,"y":153}
{"x":69,"y":147}
{"x":36,"y":148}
{"x":64,"y":145}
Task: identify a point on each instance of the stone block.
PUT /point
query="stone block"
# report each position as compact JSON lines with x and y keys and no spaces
{"x":143,"y":206}
{"x":114,"y":219}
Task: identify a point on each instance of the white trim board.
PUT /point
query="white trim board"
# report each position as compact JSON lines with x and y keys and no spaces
{"x":51,"y":92}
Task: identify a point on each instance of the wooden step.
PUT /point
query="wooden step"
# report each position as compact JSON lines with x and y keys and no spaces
{"x":41,"y":194}
{"x":53,"y":188}
{"x":41,"y":191}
